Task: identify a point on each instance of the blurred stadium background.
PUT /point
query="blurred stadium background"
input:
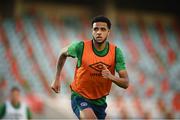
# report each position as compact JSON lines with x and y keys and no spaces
{"x":32,"y":33}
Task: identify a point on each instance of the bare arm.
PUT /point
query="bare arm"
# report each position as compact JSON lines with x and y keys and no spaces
{"x":55,"y":86}
{"x":121,"y":81}
{"x":60,"y":63}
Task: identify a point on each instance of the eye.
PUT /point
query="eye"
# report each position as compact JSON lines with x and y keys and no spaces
{"x":103,"y":29}
{"x":95,"y":29}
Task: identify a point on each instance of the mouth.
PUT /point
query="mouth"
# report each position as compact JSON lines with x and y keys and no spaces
{"x":99,"y":37}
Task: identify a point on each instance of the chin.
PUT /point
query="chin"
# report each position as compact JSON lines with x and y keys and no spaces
{"x":100,"y":41}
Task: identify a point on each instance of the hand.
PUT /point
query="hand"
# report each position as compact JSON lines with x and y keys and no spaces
{"x":55,"y":86}
{"x":106,"y":73}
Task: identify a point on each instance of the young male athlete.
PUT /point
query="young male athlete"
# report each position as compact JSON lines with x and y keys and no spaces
{"x":95,"y":71}
{"x":14,"y":108}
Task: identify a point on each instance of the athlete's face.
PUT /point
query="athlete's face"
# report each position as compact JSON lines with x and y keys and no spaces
{"x":100,"y":32}
{"x":15,"y":97}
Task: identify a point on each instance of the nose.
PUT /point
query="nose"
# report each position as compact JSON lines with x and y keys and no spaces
{"x":99,"y":32}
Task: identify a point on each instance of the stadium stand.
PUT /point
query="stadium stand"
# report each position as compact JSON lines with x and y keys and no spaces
{"x":29,"y":47}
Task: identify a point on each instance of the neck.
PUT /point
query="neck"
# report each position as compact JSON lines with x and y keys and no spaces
{"x":99,"y":46}
{"x":14,"y":103}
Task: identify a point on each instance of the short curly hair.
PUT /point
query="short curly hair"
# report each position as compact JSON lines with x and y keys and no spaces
{"x":101,"y":18}
{"x":15,"y":89}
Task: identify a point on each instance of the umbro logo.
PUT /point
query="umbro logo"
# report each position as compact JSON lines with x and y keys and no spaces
{"x":99,"y":66}
{"x":83,"y":104}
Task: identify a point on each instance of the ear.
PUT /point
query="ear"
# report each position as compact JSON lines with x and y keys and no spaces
{"x":108,"y":32}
